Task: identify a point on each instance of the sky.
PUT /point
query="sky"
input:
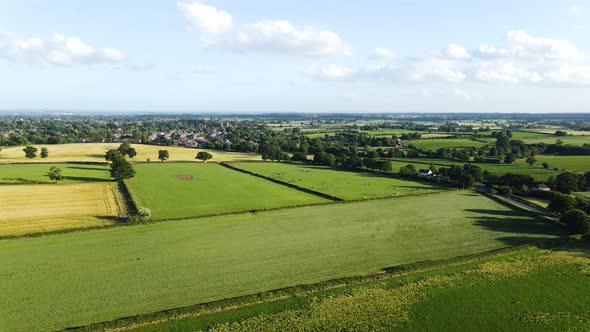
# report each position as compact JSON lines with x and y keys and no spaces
{"x":295,"y":56}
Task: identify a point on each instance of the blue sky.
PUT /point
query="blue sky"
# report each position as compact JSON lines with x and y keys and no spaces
{"x":313,"y":56}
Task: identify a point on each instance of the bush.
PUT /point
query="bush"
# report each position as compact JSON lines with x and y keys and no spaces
{"x":576,"y":221}
{"x":561,"y":203}
{"x":505,"y":190}
{"x":143,"y":215}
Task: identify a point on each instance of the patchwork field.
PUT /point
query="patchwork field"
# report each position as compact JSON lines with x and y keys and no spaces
{"x":79,"y":278}
{"x":96,"y":151}
{"x":36,"y":173}
{"x":181,"y":190}
{"x":343,"y":184}
{"x":41,"y":208}
{"x":435,"y":144}
{"x":501,"y":292}
{"x":570,"y":163}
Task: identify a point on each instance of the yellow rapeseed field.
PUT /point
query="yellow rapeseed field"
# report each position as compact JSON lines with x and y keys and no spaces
{"x":95,"y":152}
{"x":41,"y":208}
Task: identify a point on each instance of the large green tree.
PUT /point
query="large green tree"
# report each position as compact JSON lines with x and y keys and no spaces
{"x":120,"y":167}
{"x":55,"y":174}
{"x":204,"y":156}
{"x":163,"y":155}
{"x":30,"y":152}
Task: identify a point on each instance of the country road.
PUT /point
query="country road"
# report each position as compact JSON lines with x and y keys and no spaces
{"x":524,"y":205}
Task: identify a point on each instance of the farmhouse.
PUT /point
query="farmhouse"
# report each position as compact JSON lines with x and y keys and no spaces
{"x":541,"y":187}
{"x":425,"y":172}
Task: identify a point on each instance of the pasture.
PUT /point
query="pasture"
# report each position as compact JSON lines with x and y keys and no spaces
{"x":181,"y":190}
{"x":37,"y":173}
{"x":49,"y":207}
{"x":501,"y":292}
{"x":437,"y":143}
{"x":95,"y":152}
{"x":80,"y":278}
{"x":570,"y":163}
{"x":344,"y":184}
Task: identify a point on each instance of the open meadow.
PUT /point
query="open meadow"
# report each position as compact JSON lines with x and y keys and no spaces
{"x":80,"y":278}
{"x":569,"y":163}
{"x":505,"y":291}
{"x":49,"y":207}
{"x":434,"y":144}
{"x":182,"y":190}
{"x":37,"y":173}
{"x":343,"y":184}
{"x":95,"y":152}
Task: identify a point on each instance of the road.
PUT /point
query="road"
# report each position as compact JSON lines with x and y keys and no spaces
{"x":527,"y":206}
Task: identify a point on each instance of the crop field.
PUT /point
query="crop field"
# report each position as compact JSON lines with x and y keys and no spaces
{"x":96,"y":151}
{"x":538,"y":173}
{"x":343,"y":184}
{"x":570,"y":163}
{"x":571,"y":140}
{"x":435,"y":144}
{"x":180,"y":190}
{"x":80,"y":278}
{"x":37,"y":173}
{"x":502,"y":292}
{"x":41,"y":208}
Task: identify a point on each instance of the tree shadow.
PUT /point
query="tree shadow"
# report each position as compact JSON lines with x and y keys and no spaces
{"x":88,"y":168}
{"x":519,"y":226}
{"x":114,"y":219}
{"x":19,"y":180}
{"x":510,"y":213}
{"x":95,"y":155}
{"x":85,"y":179}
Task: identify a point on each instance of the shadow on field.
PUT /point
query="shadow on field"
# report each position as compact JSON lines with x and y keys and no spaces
{"x":111,"y":218}
{"x":88,"y":168}
{"x":18,"y":180}
{"x":95,"y":155}
{"x":85,"y":179}
{"x":496,"y":212}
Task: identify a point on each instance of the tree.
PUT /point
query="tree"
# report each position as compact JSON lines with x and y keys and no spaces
{"x":44,"y":153}
{"x":569,"y":182}
{"x":163,"y":155}
{"x":55,"y":174}
{"x":204,"y":156}
{"x":110,"y":155}
{"x":144,"y":214}
{"x":531,"y":160}
{"x":468,"y":181}
{"x":131,"y":153}
{"x":561,"y":203}
{"x":409,"y":169}
{"x":545,"y":165}
{"x":126,"y":150}
{"x":30,"y":152}
{"x":509,"y":158}
{"x":576,"y":221}
{"x":120,"y":167}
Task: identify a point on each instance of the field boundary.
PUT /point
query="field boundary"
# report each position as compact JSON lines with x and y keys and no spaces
{"x":290,"y":185}
{"x":207,"y":308}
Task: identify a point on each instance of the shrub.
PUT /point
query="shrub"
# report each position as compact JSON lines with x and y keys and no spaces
{"x":144,"y":214}
{"x":561,"y":203}
{"x":576,"y":221}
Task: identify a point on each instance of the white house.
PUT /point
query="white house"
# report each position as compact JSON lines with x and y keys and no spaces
{"x":426,"y":172}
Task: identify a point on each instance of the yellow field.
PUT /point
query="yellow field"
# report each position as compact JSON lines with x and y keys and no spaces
{"x":41,"y":208}
{"x":96,"y":151}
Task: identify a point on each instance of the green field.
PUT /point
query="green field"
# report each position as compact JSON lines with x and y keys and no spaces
{"x":36,"y":173}
{"x":570,"y":163}
{"x":549,"y":139}
{"x":502,"y":292}
{"x":79,"y":278}
{"x":181,"y":190}
{"x":344,"y":184}
{"x":435,"y":144}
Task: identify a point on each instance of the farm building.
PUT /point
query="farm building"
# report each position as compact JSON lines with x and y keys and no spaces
{"x":426,"y":172}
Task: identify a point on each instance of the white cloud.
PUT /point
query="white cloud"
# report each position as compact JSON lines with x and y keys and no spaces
{"x":207,"y":19}
{"x":521,"y":45}
{"x":575,"y":10}
{"x":456,"y":51}
{"x":436,"y":69}
{"x":461,"y":94}
{"x":505,"y":72}
{"x":382,"y":53}
{"x":57,"y":50}
{"x":330,"y":72}
{"x":570,"y":75}
{"x":280,"y":37}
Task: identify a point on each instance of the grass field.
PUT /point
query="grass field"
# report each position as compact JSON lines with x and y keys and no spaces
{"x":96,"y":151}
{"x":79,"y":278}
{"x":570,"y":163}
{"x":41,"y":208}
{"x":180,"y":190}
{"x":502,"y":292}
{"x":36,"y":173}
{"x":435,"y":144}
{"x":549,"y":139}
{"x":343,"y":184}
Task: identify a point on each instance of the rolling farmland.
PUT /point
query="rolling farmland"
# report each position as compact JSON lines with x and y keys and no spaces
{"x":94,"y":152}
{"x":435,"y":144}
{"x":42,"y":208}
{"x":348,"y":185}
{"x":181,"y":190}
{"x":570,"y":163}
{"x":36,"y":173}
{"x":134,"y":270}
